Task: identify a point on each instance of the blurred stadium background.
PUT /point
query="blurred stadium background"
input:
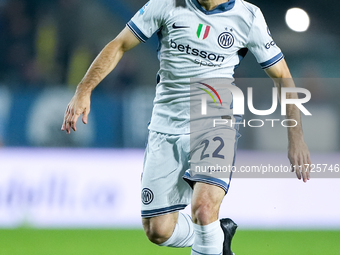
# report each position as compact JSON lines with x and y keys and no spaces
{"x":79,"y":194}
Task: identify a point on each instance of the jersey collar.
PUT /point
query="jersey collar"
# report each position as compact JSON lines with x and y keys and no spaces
{"x":219,"y":9}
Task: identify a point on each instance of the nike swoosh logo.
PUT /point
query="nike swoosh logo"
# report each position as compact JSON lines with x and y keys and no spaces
{"x":175,"y":27}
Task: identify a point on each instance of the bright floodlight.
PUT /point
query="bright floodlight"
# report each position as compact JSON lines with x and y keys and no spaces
{"x":297,"y":19}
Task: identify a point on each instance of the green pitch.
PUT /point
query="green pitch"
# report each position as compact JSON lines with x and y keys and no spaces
{"x":121,"y":242}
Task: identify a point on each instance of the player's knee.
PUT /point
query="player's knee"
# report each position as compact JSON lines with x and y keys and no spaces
{"x":157,"y":233}
{"x":204,"y":213}
{"x":155,"y":236}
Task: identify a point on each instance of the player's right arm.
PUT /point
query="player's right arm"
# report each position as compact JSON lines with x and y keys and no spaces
{"x":298,"y":152}
{"x":103,"y":64}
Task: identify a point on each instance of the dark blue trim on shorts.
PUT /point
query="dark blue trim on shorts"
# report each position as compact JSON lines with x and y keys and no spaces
{"x":205,"y":179}
{"x":161,"y":211}
{"x":136,"y":31}
{"x":272,"y":61}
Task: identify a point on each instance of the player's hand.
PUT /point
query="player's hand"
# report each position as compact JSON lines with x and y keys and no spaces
{"x":299,"y":158}
{"x":79,"y":104}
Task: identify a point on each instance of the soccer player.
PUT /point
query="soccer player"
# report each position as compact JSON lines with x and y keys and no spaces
{"x":198,"y":39}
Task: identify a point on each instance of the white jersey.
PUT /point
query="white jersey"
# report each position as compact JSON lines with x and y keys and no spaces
{"x":195,"y":43}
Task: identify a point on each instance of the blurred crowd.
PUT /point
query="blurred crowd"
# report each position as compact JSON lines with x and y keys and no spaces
{"x":51,"y":42}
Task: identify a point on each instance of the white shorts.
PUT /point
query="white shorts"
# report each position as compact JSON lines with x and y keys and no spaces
{"x":167,"y":178}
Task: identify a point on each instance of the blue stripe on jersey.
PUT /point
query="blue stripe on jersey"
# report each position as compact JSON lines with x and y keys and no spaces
{"x":219,"y":9}
{"x":272,"y":61}
{"x":156,"y":212}
{"x":135,"y":30}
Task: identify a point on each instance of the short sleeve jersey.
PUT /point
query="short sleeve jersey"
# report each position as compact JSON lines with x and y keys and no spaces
{"x":196,"y":43}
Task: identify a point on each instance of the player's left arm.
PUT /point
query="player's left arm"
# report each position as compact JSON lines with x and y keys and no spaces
{"x":298,"y":152}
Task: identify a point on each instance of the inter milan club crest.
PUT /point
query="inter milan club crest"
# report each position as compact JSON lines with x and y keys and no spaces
{"x":147,"y":196}
{"x":202,"y":31}
{"x":226,"y":40}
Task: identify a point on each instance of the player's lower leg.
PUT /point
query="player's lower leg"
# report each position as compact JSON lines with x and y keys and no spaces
{"x":208,"y":239}
{"x":183,"y":235}
{"x":209,"y":236}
